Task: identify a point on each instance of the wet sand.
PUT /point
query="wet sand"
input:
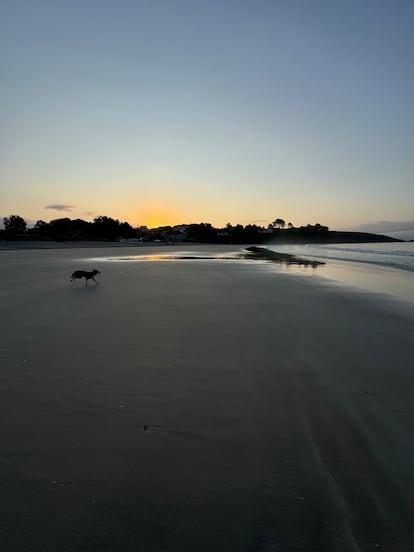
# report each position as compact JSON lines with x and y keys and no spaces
{"x":200,"y":406}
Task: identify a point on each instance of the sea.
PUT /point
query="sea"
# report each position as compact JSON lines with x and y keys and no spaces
{"x":384,"y":268}
{"x":397,"y":255}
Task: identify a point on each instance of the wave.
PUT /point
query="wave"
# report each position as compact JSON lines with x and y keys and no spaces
{"x":398,"y":256}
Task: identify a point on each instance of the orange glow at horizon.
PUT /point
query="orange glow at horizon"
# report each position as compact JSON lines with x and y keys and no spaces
{"x":154,"y":216}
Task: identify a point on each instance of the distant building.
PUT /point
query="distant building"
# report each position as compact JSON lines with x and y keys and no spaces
{"x":179,"y":232}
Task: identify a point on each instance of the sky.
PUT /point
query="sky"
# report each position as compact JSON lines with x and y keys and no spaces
{"x":176,"y":111}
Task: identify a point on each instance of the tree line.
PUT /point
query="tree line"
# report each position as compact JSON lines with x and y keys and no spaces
{"x":109,"y":229}
{"x":102,"y":227}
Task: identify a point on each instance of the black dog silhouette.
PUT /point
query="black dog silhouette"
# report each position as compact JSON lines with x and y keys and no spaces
{"x":84,"y":274}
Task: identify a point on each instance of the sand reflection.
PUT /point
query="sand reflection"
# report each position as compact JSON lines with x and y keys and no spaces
{"x":285,"y":259}
{"x":252,"y":253}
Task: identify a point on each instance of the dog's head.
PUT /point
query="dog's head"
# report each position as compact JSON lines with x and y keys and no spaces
{"x":95,"y":272}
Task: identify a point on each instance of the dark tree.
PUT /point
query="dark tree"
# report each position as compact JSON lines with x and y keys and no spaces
{"x":107,"y":227}
{"x":202,"y":232}
{"x":126,"y":230}
{"x":59,"y":229}
{"x":15,"y":224}
{"x":40,"y":229}
{"x":40,"y":225}
{"x":252,"y":233}
{"x":278,"y":223}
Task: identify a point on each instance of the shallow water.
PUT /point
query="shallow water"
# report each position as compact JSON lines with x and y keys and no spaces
{"x":373,"y":274}
{"x":384,"y":268}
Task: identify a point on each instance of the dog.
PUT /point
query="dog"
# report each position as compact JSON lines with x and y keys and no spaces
{"x":84,"y":274}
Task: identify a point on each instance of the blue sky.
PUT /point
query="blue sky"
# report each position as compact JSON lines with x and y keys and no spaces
{"x":163,"y":112}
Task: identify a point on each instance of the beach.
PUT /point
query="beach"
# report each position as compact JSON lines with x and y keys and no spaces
{"x":200,"y":405}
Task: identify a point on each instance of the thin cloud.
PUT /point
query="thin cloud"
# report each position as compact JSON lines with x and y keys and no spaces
{"x":61,"y":207}
{"x":400,"y":229}
{"x":385,"y":226}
